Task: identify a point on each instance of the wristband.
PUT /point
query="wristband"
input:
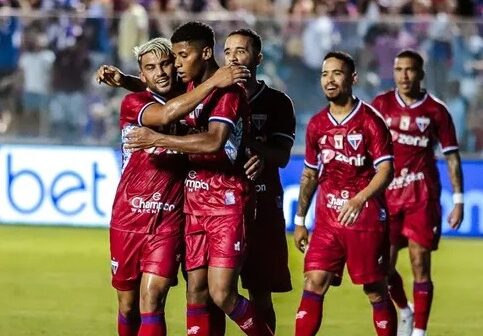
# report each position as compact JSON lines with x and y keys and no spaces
{"x":299,"y":220}
{"x":458,"y":198}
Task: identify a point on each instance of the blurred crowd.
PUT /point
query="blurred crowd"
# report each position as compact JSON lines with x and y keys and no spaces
{"x":50,"y":49}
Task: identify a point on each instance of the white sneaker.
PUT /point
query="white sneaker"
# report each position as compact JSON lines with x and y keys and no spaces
{"x":405,"y":323}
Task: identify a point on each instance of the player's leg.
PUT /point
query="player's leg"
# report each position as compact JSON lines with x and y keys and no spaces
{"x":223,"y":283}
{"x":383,"y":310}
{"x":309,"y":313}
{"x":128,"y":317}
{"x":367,"y":264}
{"x":423,"y":286}
{"x":154,"y":290}
{"x":423,"y":229}
{"x":125,"y":255}
{"x":395,"y":282}
{"x":262,"y":300}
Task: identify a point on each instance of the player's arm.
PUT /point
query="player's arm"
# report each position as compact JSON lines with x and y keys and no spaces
{"x":456,"y":176}
{"x":205,"y":142}
{"x":383,"y":177}
{"x":114,"y":77}
{"x":308,"y":186}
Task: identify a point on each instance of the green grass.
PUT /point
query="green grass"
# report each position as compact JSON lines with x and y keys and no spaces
{"x":56,"y":281}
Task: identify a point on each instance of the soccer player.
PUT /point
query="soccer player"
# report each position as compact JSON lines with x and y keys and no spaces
{"x":417,"y":122}
{"x":147,"y":219}
{"x":217,"y":193}
{"x":348,"y":157}
{"x":265,"y":269}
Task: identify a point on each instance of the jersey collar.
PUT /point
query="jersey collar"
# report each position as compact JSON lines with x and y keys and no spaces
{"x":413,"y":105}
{"x":261,"y":87}
{"x":160,"y":99}
{"x":348,"y":117}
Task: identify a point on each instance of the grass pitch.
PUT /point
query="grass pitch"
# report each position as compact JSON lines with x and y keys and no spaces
{"x":56,"y":281}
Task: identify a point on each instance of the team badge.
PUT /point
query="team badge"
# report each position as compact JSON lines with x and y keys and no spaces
{"x":259,"y":120}
{"x":422,"y":123}
{"x":404,"y":123}
{"x":114,"y":266}
{"x":197,"y":111}
{"x":354,"y":140}
{"x":339,"y":141}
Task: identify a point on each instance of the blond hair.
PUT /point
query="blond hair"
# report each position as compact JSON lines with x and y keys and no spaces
{"x":159,"y":46}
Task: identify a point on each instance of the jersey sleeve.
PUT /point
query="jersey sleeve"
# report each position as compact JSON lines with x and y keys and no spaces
{"x":311,"y":147}
{"x":284,"y":122}
{"x":380,"y":143}
{"x":227,"y":109}
{"x":133,"y":107}
{"x":445,"y":131}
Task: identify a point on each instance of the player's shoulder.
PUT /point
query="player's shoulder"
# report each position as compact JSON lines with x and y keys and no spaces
{"x":385,"y":97}
{"x":137,"y":97}
{"x":319,"y":118}
{"x":436,"y":103}
{"x":371,"y":113}
{"x":276,"y":94}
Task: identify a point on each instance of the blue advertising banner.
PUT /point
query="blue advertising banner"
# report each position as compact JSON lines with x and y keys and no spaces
{"x":61,"y":185}
{"x":473,"y":185}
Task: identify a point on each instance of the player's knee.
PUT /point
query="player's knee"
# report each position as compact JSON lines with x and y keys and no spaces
{"x":153,"y":298}
{"x":376,"y":292}
{"x":127,"y":307}
{"x":222,"y":297}
{"x":197,"y":293}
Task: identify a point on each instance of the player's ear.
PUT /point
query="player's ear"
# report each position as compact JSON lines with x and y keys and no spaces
{"x":207,"y":53}
{"x":354,"y":77}
{"x":259,"y":58}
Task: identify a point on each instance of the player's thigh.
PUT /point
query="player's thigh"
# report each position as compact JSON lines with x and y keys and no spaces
{"x":196,"y":248}
{"x":162,"y":255}
{"x":126,"y":251}
{"x":367,"y":255}
{"x":422,"y":224}
{"x":226,"y":240}
{"x":326,"y":251}
{"x":395,"y":226}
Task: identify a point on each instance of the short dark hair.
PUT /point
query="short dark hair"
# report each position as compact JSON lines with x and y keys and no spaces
{"x":344,"y":57}
{"x":256,"y":39}
{"x":414,"y":55}
{"x":194,"y":31}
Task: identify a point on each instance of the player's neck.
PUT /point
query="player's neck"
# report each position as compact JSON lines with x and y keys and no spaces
{"x":210,"y":70}
{"x":252,"y":86}
{"x":342,"y":107}
{"x":411,"y":97}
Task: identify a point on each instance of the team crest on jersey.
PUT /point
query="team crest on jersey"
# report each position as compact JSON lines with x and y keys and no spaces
{"x":259,"y":120}
{"x":339,"y":141}
{"x":354,"y":140}
{"x":422,"y":123}
{"x":196,"y":112}
{"x":404,"y":123}
{"x":114,"y":266}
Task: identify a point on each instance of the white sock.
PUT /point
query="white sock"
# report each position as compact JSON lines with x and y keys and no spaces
{"x":418,"y":332}
{"x":405,"y":312}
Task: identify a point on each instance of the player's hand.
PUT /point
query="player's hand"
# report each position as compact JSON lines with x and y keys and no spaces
{"x":350,"y":211}
{"x":254,"y":167}
{"x":141,"y":138}
{"x":230,"y":74}
{"x":109,"y":75}
{"x":301,"y":238}
{"x":456,"y":216}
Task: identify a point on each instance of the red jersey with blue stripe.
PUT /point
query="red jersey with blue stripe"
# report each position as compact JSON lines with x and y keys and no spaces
{"x":416,"y":129}
{"x":216,"y":182}
{"x":346,"y":154}
{"x":149,"y":197}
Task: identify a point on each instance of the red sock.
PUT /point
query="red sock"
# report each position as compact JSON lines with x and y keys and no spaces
{"x":217,"y":320}
{"x":396,"y":289}
{"x":152,"y":324}
{"x":198,"y":320}
{"x":309,"y":315}
{"x":423,"y":297}
{"x":127,"y":326}
{"x":245,"y":316}
{"x":385,"y":318}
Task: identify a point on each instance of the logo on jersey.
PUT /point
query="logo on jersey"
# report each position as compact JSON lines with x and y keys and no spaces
{"x":422,"y":123}
{"x":260,"y":187}
{"x":153,"y":205}
{"x":192,"y":184}
{"x":259,"y":120}
{"x":114,"y":266}
{"x":404,"y":123}
{"x":329,"y":155}
{"x":405,"y":179}
{"x":410,"y":140}
{"x":196,"y":112}
{"x":339,"y":141}
{"x":229,"y":197}
{"x":336,"y":203}
{"x":237,"y":246}
{"x":354,"y":140}
{"x":322,"y":141}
